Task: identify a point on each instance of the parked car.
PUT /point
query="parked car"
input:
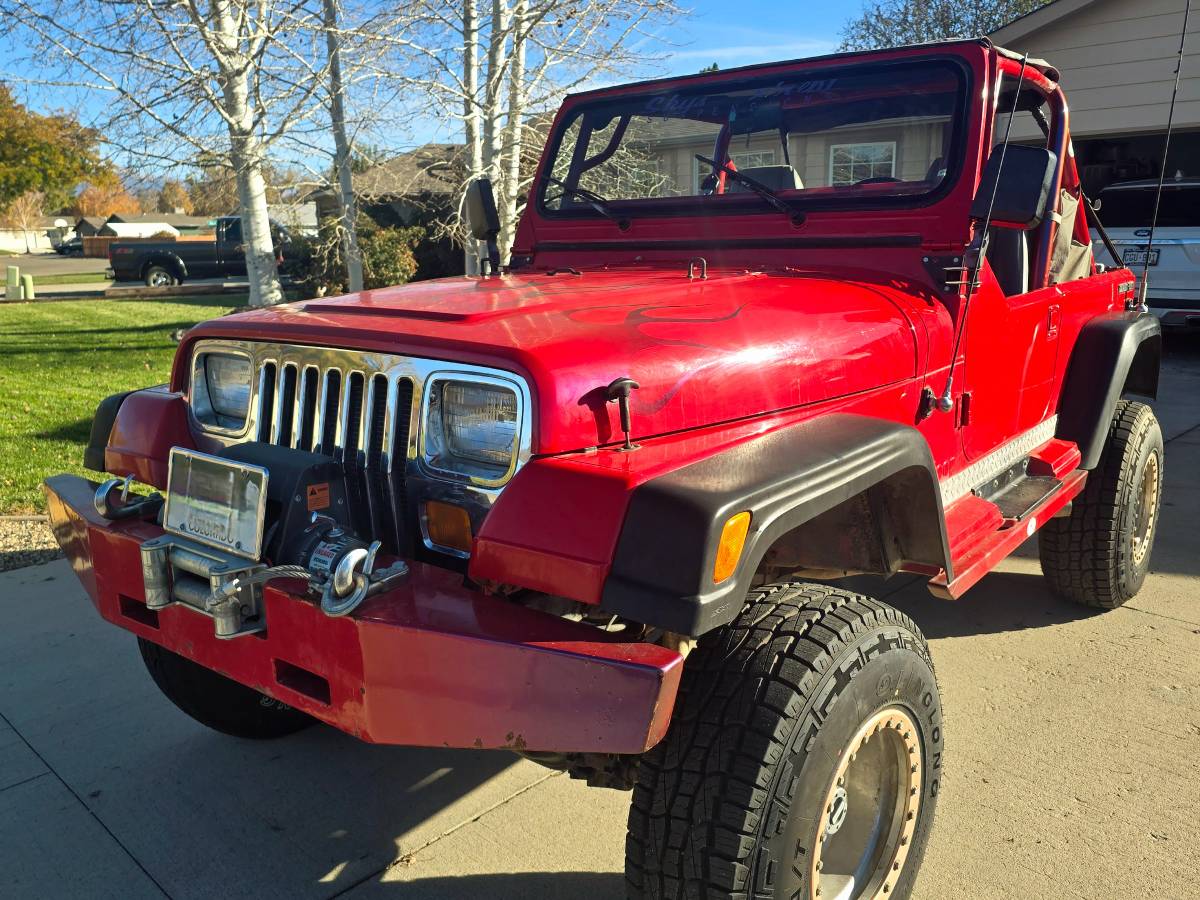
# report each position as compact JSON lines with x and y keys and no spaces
{"x":591,"y":508}
{"x":70,"y":247}
{"x":166,"y":263}
{"x":1126,"y":209}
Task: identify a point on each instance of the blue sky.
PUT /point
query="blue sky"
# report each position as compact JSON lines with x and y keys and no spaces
{"x":730,"y":33}
{"x":741,"y":32}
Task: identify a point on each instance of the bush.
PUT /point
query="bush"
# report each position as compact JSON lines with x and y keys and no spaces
{"x":316,"y":267}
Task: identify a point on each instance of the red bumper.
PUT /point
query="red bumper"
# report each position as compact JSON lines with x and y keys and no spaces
{"x":430,"y":663}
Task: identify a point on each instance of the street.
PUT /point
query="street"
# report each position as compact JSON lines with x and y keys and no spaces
{"x":1072,"y":763}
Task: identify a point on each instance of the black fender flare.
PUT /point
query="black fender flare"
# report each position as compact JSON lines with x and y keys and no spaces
{"x":662,"y":569}
{"x":1114,"y":354}
{"x":170,"y":261}
{"x":102,"y":425}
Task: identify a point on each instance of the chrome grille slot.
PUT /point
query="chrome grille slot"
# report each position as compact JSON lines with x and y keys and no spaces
{"x":352,"y":419}
{"x":266,"y":401}
{"x":286,"y":410}
{"x":308,"y":408}
{"x":331,"y":396}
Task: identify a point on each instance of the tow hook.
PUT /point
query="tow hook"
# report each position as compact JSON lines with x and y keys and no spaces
{"x":143,"y":507}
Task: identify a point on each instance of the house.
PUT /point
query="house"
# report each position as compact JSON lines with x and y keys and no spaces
{"x":401,"y":190}
{"x":1118,"y":69}
{"x":177,"y":222}
{"x":418,"y":187}
{"x":88,"y":226}
{"x":116,"y":228}
{"x":297,"y":218}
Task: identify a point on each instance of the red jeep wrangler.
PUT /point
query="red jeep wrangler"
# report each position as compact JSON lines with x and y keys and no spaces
{"x":762,"y":329}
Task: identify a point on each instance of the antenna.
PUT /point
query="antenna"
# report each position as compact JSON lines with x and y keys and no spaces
{"x":946,"y":401}
{"x":1162,"y":170}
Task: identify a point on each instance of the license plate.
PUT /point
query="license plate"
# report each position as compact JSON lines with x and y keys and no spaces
{"x":1138,"y":257}
{"x":216,"y":501}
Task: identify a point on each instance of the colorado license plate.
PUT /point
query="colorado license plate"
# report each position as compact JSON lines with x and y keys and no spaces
{"x":216,"y":501}
{"x":1138,"y":257}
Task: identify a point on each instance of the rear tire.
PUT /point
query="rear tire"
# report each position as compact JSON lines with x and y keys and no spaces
{"x":806,"y":745}
{"x":216,"y":701}
{"x":1099,"y":555}
{"x":160,"y":276}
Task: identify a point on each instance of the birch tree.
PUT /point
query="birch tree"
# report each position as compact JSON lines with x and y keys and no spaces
{"x":189,"y":78}
{"x":22,"y":214}
{"x":499,"y":67}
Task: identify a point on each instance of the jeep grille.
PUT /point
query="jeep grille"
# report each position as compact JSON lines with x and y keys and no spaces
{"x":363,"y":409}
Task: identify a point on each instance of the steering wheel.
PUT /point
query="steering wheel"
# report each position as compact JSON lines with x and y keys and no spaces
{"x":879,"y":179}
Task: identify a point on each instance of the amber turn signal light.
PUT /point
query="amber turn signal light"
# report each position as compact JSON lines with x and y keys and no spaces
{"x":448,"y":525}
{"x":729,"y":550}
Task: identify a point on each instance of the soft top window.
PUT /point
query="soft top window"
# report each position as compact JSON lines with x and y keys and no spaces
{"x":844,"y":136}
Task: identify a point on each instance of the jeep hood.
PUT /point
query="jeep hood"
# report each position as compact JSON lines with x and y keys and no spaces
{"x":704,"y":351}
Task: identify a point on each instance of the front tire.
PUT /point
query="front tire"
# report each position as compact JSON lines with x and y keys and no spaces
{"x":803,"y":760}
{"x":160,"y":276}
{"x":1099,"y":555}
{"x":216,"y":701}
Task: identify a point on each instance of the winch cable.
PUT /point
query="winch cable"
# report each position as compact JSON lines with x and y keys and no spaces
{"x":230,"y":588}
{"x":1162,"y":170}
{"x":946,"y":401}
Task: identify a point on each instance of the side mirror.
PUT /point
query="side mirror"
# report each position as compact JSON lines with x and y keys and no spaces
{"x":482,"y":218}
{"x":1022,"y":187}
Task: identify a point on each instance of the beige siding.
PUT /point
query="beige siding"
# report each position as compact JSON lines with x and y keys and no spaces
{"x":1117,"y":60}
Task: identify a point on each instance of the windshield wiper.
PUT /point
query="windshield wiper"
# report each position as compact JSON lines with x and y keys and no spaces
{"x":594,"y":200}
{"x":758,"y":187}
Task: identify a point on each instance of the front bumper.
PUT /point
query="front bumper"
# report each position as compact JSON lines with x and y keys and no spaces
{"x":430,"y":663}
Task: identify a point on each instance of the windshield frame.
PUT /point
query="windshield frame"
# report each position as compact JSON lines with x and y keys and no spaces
{"x":699,"y":206}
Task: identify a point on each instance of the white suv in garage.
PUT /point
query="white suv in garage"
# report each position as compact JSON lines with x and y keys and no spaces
{"x":1126,"y":210}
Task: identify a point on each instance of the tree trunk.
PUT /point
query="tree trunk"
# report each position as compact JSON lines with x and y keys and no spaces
{"x":513,"y":132}
{"x":493,"y":89}
{"x":472,"y":135}
{"x":337,"y":111}
{"x":245,"y":152}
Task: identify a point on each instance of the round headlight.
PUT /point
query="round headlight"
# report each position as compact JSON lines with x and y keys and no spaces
{"x":221,"y":390}
{"x":471,"y":428}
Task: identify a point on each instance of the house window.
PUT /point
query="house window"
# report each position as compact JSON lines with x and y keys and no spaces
{"x":753,"y":159}
{"x":852,"y":163}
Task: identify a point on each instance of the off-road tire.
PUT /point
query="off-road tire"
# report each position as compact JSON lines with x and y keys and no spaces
{"x":1099,"y":555}
{"x":159,"y":276}
{"x":767,"y":708}
{"x":216,"y":701}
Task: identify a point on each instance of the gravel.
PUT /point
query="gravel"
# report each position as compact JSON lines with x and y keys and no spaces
{"x":26,"y":542}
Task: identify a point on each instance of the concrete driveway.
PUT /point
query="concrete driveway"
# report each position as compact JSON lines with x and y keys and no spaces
{"x":1073,"y":761}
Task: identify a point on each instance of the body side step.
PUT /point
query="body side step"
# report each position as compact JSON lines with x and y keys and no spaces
{"x":975,"y":558}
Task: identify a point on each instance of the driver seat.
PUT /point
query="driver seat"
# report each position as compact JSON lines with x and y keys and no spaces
{"x":777,"y":178}
{"x":1008,"y":255}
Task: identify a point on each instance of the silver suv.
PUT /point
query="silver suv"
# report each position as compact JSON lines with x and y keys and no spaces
{"x":1126,"y":210}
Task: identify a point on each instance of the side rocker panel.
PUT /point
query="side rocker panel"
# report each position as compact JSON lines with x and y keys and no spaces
{"x":1113,"y":354}
{"x":662,"y":571}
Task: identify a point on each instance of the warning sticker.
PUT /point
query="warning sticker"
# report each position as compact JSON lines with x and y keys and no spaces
{"x":318,"y":496}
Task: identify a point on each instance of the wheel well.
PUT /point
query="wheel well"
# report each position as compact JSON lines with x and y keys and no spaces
{"x":167,"y":263}
{"x":893,"y":524}
{"x":1143,"y":371}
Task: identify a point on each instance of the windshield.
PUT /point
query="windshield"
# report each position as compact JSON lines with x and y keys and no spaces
{"x":840,"y":137}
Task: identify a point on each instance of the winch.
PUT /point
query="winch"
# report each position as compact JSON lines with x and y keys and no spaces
{"x":189,"y":564}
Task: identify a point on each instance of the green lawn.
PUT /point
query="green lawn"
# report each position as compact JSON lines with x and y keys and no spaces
{"x":58,"y":360}
{"x":69,"y":278}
